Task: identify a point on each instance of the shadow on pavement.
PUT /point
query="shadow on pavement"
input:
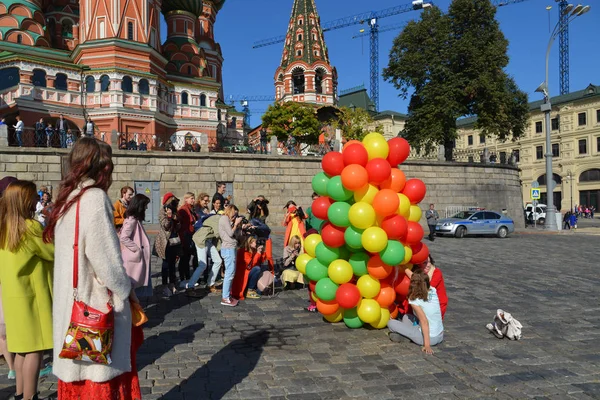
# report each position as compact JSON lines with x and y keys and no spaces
{"x":154,"y":347}
{"x":227,"y":368}
{"x":157,"y":308}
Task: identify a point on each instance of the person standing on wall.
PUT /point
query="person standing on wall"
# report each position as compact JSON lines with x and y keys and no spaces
{"x":40,"y":133}
{"x":88,"y":128}
{"x":62,"y":126}
{"x":19,"y":131}
{"x":432,"y":219}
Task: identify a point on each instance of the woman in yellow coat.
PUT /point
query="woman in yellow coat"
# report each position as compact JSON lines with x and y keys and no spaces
{"x":26,"y":278}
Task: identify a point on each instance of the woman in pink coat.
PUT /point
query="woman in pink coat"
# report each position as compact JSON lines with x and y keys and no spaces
{"x":135,"y":246}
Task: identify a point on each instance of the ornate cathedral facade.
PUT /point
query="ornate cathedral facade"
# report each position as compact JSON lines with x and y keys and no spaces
{"x":105,"y":60}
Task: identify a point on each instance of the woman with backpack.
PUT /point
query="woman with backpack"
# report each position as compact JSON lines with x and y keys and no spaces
{"x":294,"y":223}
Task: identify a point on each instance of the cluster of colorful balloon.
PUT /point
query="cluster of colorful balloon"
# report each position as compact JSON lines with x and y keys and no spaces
{"x":370,"y":235}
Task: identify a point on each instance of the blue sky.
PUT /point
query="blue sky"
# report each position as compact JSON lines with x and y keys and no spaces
{"x":249,"y":71}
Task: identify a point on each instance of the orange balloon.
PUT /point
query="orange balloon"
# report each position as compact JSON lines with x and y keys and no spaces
{"x":386,"y":296}
{"x":395,"y":182}
{"x":386,"y":202}
{"x":327,"y":307}
{"x":377,"y":268}
{"x":349,"y":142}
{"x":354,"y":177}
{"x":393,"y":309}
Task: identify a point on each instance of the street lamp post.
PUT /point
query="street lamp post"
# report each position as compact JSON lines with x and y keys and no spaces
{"x":572,"y":12}
{"x":570,"y":178}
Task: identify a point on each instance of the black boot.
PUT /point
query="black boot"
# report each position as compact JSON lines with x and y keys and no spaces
{"x":19,"y":396}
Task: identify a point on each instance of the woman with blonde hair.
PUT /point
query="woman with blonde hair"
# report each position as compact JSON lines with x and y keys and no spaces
{"x":26,"y":278}
{"x":230,"y":226}
{"x":83,"y":202}
{"x":290,"y":274}
{"x":187,"y":220}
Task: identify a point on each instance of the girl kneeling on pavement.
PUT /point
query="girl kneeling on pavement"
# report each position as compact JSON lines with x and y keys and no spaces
{"x":429,"y":329}
{"x":249,"y":269}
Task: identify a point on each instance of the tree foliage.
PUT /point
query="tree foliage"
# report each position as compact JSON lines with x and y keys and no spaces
{"x":295,"y":119}
{"x":354,"y":123}
{"x":454,"y":65}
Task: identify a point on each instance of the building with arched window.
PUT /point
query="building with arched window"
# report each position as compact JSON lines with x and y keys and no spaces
{"x":113,"y":66}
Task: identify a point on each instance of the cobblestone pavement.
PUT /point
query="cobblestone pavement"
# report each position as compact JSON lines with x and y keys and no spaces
{"x":270,"y":348}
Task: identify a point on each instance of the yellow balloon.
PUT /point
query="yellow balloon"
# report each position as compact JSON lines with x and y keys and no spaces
{"x":407,"y":256}
{"x":335,"y":317}
{"x":366,"y":194}
{"x":362,"y":215}
{"x":414,"y":213}
{"x":377,"y":146}
{"x":374,"y":239}
{"x":404,"y":207}
{"x":310,"y":244}
{"x":372,"y":136}
{"x":314,"y":297}
{"x":384,"y":317}
{"x":368,"y":287}
{"x":340,"y":271}
{"x":369,"y":311}
{"x":301,"y":262}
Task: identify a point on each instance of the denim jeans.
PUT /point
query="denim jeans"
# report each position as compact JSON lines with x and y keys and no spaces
{"x":203,"y":263}
{"x":19,"y":135}
{"x":63,"y":138}
{"x":229,"y":259}
{"x":253,"y":277}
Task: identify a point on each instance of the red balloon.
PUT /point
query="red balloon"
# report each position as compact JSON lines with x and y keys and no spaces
{"x":350,"y":143}
{"x":332,"y":235}
{"x":320,"y":206}
{"x":379,"y":170}
{"x":420,"y":253}
{"x":395,"y":182}
{"x":399,"y":151}
{"x":402,"y":287}
{"x":396,"y":276}
{"x":395,"y":226}
{"x":333,"y":163}
{"x":414,"y":233}
{"x":347,"y":295}
{"x":386,"y":202}
{"x":386,"y":296}
{"x":377,"y":268}
{"x":354,"y":177}
{"x":312,"y":286}
{"x":415,"y":190}
{"x":355,"y":153}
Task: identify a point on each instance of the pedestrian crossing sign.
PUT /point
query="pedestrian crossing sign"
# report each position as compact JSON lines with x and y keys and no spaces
{"x":535,"y":194}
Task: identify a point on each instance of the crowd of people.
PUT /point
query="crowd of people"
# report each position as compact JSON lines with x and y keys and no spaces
{"x":583,"y":211}
{"x":62,"y":134}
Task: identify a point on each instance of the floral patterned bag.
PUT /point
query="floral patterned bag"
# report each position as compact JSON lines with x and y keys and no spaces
{"x":90,"y":333}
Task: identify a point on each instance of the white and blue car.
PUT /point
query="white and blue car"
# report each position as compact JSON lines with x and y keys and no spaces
{"x":481,"y":222}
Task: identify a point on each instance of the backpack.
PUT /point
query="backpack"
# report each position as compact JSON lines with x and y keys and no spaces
{"x":201,"y":220}
{"x":260,"y":228}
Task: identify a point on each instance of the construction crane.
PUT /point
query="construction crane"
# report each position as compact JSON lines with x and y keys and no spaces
{"x":372,"y":19}
{"x":563,"y":47}
{"x":245,"y":103}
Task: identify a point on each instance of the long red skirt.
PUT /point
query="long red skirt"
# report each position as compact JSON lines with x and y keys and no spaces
{"x":124,"y":387}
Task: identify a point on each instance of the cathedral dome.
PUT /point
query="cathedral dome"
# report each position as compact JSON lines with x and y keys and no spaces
{"x":217,"y":3}
{"x":191,"y":6}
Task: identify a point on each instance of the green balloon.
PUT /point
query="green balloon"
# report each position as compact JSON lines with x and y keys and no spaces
{"x":315,"y":270}
{"x":319,"y":227}
{"x":319,"y":183}
{"x":336,"y":190}
{"x":393,"y":254}
{"x":326,"y":254}
{"x":353,"y":236}
{"x":338,"y":214}
{"x":326,"y":289}
{"x":351,"y":318}
{"x":344,"y":253}
{"x":358,"y":261}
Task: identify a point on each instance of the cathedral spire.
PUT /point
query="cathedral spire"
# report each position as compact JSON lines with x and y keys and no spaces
{"x":305,"y":73}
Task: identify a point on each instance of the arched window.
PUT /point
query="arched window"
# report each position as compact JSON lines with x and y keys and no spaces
{"x":90,"y":84}
{"x":542,"y":179}
{"x":591,"y":175}
{"x":67,"y":28}
{"x":9,"y":77}
{"x":39,"y":78}
{"x":219,"y":114}
{"x":203,"y":100}
{"x":319,"y":78}
{"x":189,"y":69}
{"x":60,"y":82}
{"x":130,"y":30}
{"x":185,"y":98}
{"x":299,"y":37}
{"x":144,"y":86}
{"x":298,"y":80}
{"x":104,"y":83}
{"x":127,"y":84}
{"x":299,"y":53}
{"x":101,"y":29}
{"x":19,"y":39}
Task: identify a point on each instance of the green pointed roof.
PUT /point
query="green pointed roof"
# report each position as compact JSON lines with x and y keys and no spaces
{"x":314,"y":48}
{"x":191,"y":6}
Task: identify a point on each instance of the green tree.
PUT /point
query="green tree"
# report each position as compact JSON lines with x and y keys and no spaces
{"x":295,"y":119}
{"x":354,"y":123}
{"x":454,"y":65}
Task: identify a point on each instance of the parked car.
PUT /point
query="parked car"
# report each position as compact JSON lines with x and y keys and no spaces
{"x":539,"y":215}
{"x":476,"y":223}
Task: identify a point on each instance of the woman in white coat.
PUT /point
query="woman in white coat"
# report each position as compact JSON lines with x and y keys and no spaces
{"x":100,"y":270}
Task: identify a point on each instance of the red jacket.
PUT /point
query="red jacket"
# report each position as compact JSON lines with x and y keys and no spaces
{"x":437,"y":281}
{"x":245,"y":261}
{"x":187,"y":219}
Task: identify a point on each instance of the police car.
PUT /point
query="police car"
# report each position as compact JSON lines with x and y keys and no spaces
{"x":476,"y":222}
